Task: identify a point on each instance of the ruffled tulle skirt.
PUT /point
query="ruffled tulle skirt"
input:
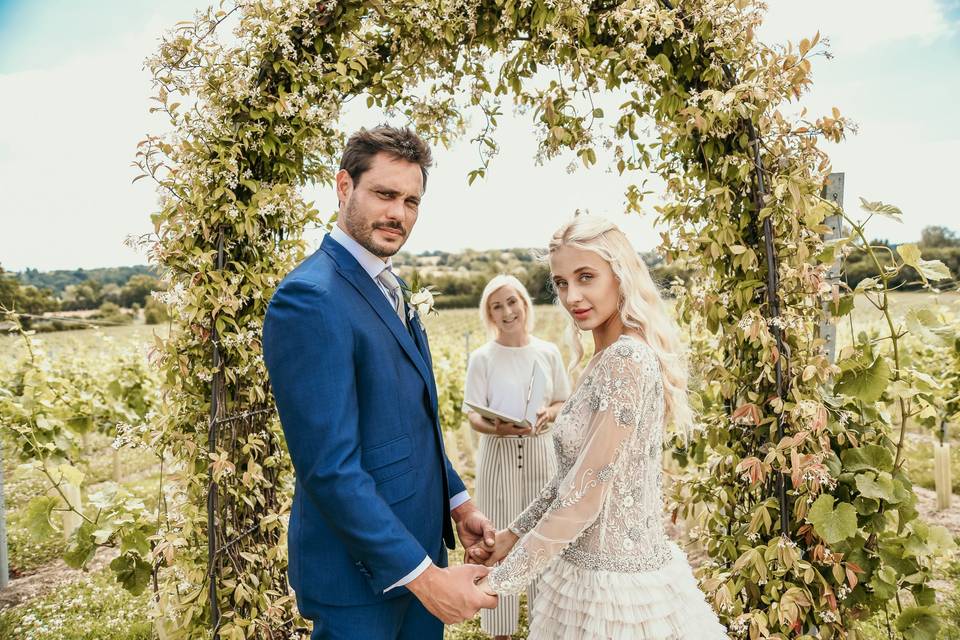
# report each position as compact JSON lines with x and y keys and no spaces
{"x":583,"y":604}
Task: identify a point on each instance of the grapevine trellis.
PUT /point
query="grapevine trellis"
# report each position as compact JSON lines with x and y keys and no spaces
{"x":255,"y":118}
{"x":237,"y":523}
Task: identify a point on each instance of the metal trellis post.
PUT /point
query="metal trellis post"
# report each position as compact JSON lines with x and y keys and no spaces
{"x":4,"y":558}
{"x":216,"y":388}
{"x":832,"y":191}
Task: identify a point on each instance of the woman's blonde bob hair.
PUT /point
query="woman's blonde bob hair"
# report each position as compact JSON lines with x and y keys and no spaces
{"x":495,"y":284}
{"x":641,"y":308}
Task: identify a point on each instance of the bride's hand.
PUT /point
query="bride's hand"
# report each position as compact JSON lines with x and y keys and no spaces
{"x":505,"y":539}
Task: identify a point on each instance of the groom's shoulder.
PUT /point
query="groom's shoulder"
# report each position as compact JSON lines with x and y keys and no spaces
{"x":311,"y":285}
{"x":318,"y":272}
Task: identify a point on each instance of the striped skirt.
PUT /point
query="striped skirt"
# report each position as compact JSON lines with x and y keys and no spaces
{"x":511,"y":471}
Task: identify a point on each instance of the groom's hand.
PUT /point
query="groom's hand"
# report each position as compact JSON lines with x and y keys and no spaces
{"x":477,"y":534}
{"x":451,"y":594}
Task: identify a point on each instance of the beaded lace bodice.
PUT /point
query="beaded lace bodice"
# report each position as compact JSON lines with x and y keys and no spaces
{"x":603,"y":509}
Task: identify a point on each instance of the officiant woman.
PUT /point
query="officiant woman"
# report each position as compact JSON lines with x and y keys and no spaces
{"x":513,"y":462}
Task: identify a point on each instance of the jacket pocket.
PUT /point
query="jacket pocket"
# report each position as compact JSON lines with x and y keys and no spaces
{"x":399,"y":487}
{"x":387,"y":460}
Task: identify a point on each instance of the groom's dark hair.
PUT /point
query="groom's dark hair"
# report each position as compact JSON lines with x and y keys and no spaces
{"x":402,"y":144}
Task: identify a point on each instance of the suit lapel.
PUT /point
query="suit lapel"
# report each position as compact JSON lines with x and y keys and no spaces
{"x":351,"y":270}
{"x":417,"y":331}
{"x":420,"y":338}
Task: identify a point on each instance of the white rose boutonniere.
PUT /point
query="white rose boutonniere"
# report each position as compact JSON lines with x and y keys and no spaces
{"x":420,"y":299}
{"x":421,"y":302}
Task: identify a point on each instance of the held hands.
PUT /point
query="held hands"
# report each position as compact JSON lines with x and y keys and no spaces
{"x":504,"y":542}
{"x":477,"y":534}
{"x":451,"y":594}
{"x":484,"y":586}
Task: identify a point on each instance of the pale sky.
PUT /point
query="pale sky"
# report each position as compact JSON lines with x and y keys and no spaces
{"x":74,"y":101}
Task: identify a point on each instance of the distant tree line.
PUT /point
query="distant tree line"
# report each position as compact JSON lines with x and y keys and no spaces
{"x":25,"y":299}
{"x":122,"y":292}
{"x":936,"y":242}
{"x":58,"y":280}
{"x":459,"y":276}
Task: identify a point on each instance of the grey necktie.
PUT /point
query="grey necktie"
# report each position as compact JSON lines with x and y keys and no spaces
{"x":390,"y":281}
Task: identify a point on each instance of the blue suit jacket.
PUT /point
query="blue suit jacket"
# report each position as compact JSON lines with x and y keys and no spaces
{"x":358,"y":404}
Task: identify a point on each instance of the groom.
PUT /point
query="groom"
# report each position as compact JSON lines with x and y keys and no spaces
{"x":352,"y":375}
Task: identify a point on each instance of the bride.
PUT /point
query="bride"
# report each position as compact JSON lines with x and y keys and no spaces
{"x":595,"y":536}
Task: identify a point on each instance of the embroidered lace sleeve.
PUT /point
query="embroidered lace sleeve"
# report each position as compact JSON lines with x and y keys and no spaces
{"x":535,"y":510}
{"x":620,"y":384}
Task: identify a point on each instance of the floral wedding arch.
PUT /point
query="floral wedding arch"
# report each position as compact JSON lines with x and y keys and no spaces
{"x":806,"y":515}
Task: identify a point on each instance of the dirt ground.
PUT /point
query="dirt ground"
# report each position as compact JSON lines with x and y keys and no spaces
{"x":49,"y":577}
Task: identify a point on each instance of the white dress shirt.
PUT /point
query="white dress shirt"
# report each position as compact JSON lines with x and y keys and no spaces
{"x":373,"y":265}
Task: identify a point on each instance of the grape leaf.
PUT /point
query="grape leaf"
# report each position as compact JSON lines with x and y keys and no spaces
{"x":918,"y":623}
{"x":38,"y":516}
{"x":132,"y":572}
{"x":865,"y":384}
{"x":880,"y":208}
{"x":871,"y":456}
{"x":833,"y":525}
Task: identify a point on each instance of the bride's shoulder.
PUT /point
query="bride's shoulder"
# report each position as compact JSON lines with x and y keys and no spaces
{"x":629,"y":355}
{"x":632,"y":347}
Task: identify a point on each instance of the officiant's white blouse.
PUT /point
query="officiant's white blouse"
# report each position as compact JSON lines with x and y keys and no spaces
{"x":497,"y":375}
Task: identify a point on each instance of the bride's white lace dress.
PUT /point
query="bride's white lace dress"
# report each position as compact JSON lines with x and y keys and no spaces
{"x":595,"y":536}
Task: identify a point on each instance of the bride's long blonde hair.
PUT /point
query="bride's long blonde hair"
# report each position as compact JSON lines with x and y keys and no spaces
{"x":641,"y":309}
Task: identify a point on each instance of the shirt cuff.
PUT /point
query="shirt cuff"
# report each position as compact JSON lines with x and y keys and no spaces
{"x":412,"y":575}
{"x":459,"y":499}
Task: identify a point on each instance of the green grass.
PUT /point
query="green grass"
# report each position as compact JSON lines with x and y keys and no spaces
{"x":92,"y":608}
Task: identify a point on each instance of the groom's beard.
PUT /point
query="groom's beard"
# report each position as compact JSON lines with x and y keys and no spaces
{"x":363,"y":233}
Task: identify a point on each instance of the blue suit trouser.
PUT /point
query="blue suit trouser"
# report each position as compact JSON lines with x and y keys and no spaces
{"x":400,"y":618}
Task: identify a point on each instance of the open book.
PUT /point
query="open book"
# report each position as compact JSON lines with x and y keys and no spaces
{"x":534,"y":399}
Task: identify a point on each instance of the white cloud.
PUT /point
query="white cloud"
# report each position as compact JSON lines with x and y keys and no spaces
{"x":65,"y":173}
{"x":890,"y":162}
{"x":65,"y":169}
{"x":855,"y":26}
